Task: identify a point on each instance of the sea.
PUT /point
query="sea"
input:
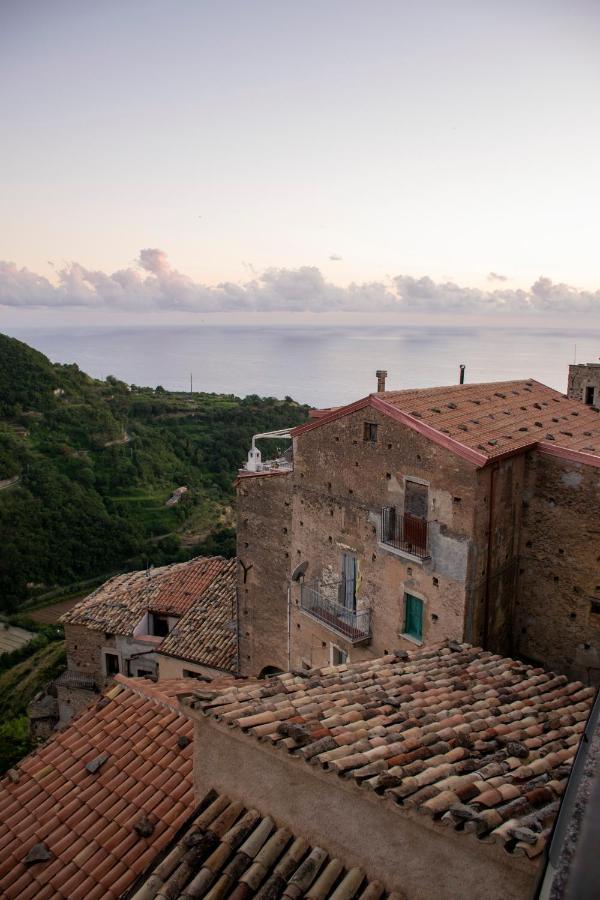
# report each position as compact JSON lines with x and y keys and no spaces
{"x":322,"y":365}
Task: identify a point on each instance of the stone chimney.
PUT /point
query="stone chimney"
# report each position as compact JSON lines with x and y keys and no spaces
{"x":381,"y":376}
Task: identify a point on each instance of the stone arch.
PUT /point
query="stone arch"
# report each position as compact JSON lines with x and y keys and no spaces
{"x":270,"y":672}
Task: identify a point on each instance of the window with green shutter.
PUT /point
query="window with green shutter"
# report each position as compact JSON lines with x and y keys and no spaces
{"x":413,"y":616}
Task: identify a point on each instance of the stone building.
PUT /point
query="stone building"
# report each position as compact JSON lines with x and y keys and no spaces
{"x":172,"y":622}
{"x":584,"y":383}
{"x":467,"y":512}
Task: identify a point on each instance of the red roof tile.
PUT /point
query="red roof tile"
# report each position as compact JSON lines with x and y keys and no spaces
{"x":119,"y":605}
{"x":228,"y":851}
{"x":206,"y":633}
{"x":488,"y":420}
{"x":82,"y":825}
{"x":462,"y":734}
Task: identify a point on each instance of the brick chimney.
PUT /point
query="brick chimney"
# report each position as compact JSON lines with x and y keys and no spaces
{"x":381,"y":376}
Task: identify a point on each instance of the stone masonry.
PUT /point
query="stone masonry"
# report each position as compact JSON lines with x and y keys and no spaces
{"x":512,"y":561}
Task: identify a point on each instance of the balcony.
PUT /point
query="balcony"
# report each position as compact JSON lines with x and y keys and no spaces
{"x":318,"y":601}
{"x":407,"y":533}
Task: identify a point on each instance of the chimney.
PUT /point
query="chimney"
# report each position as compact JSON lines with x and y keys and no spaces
{"x":381,"y":376}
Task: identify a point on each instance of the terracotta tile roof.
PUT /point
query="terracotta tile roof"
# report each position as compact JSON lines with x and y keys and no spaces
{"x":504,"y":415}
{"x":207,"y":632}
{"x":119,"y":604}
{"x":487,"y":420}
{"x":472,"y":739}
{"x":230,"y":851}
{"x":100,"y":799}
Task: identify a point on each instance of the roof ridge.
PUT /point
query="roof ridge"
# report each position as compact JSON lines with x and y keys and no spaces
{"x":157,"y":691}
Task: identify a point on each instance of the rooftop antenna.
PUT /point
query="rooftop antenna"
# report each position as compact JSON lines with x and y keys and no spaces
{"x":462,"y":368}
{"x":191,"y":383}
{"x":575,"y":355}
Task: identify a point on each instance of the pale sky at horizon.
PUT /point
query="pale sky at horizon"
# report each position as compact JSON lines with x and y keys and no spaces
{"x":426,"y":139}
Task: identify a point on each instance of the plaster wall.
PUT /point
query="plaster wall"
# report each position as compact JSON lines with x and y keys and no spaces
{"x":408,"y":853}
{"x":171,"y":667}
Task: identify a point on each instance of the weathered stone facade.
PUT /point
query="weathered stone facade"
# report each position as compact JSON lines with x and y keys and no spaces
{"x":558,"y":600}
{"x":264,"y":528}
{"x":584,"y":383}
{"x":496,"y":561}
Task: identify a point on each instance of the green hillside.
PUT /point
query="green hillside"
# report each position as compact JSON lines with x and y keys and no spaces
{"x":86,"y":468}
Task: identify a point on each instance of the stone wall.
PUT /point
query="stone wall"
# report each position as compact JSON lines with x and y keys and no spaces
{"x":84,"y":651}
{"x":495,"y":554}
{"x":263,"y":551}
{"x":582,"y":377}
{"x":341,"y":483}
{"x":558,"y":612}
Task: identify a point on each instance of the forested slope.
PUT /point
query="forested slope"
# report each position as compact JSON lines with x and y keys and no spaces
{"x":86,"y":467}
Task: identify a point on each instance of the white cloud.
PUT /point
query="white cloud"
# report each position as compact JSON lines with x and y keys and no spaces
{"x":154,"y":285}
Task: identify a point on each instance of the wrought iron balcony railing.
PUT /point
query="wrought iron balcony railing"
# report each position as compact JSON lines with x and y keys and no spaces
{"x":350,"y":624}
{"x":408,"y":533}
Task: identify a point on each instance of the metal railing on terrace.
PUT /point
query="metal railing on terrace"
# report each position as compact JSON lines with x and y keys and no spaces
{"x":408,"y":533}
{"x":282,"y":464}
{"x":354,"y":626}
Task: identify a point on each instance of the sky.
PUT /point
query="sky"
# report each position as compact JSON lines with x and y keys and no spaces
{"x":267,"y":156}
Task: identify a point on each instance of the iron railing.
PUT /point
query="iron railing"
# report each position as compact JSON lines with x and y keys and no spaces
{"x":408,"y":533}
{"x":354,"y":626}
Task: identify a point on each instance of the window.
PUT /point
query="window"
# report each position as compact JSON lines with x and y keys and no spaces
{"x":159,"y":625}
{"x":370,"y":432}
{"x":589,"y":395}
{"x":348,"y":584}
{"x":415,"y":499}
{"x":338,"y":656}
{"x":413,"y":617}
{"x":111,"y":663}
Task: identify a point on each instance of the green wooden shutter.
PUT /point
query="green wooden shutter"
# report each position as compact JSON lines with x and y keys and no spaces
{"x":414,"y":617}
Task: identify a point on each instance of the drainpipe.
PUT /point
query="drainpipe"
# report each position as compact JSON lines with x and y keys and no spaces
{"x":488,"y":573}
{"x":289,"y":625}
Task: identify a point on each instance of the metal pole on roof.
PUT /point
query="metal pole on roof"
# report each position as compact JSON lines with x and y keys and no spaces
{"x":462,"y":368}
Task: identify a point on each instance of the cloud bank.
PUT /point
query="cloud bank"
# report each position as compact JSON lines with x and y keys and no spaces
{"x":154,"y":285}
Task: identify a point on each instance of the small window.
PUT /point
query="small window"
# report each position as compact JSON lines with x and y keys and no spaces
{"x":338,"y":656}
{"x":589,"y":395}
{"x":144,"y":673}
{"x":415,"y":499}
{"x":595,"y":607}
{"x":111,"y":662}
{"x":413,"y":617}
{"x":159,"y":625}
{"x":370,"y":432}
{"x":108,"y":636}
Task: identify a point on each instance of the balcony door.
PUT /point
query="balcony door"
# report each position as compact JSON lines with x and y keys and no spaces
{"x":348,"y":585}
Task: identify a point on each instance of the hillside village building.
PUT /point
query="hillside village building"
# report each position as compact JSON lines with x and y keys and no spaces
{"x":584,"y":383}
{"x":172,"y":622}
{"x":435,"y":772}
{"x":467,"y":513}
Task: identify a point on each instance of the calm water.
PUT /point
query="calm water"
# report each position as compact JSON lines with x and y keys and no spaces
{"x":321,"y":365}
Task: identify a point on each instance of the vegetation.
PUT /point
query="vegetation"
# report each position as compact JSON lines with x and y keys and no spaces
{"x":23,"y":674}
{"x":95,"y":463}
